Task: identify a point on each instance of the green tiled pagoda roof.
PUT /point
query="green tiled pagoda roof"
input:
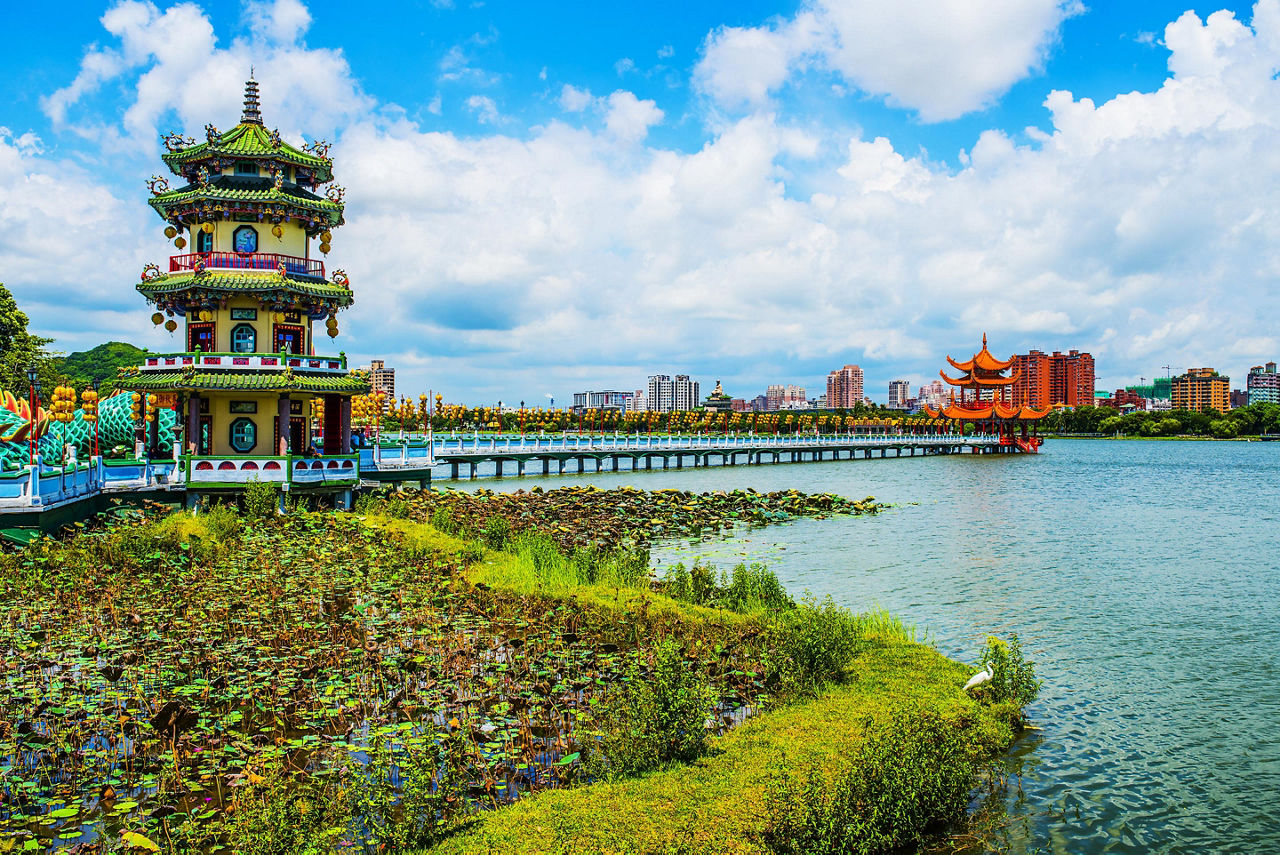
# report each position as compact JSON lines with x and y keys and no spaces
{"x":231,"y":192}
{"x":244,"y":282}
{"x":242,"y":381}
{"x":248,"y":140}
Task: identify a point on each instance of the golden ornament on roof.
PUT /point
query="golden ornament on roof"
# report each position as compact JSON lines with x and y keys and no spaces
{"x":326,"y":236}
{"x":171,"y":325}
{"x":207,"y":228}
{"x":180,"y":242}
{"x":170,"y":232}
{"x":324,"y":247}
{"x":333,"y":332}
{"x":157,"y":319}
{"x":206,"y":315}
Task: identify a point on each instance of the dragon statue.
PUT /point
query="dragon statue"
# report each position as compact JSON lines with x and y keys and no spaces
{"x":115,"y":429}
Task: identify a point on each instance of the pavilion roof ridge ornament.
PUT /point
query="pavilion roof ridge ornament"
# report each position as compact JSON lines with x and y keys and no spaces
{"x":252,"y":108}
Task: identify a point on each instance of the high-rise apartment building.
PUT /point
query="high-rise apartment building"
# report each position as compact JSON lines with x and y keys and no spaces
{"x":609,"y":400}
{"x":1202,"y":388}
{"x":383,"y":379}
{"x":1058,"y":378}
{"x":899,"y":392}
{"x":933,"y":395}
{"x":788,"y":397}
{"x":844,"y":387}
{"x":1264,"y":384}
{"x":666,"y":395}
{"x":1157,"y":390}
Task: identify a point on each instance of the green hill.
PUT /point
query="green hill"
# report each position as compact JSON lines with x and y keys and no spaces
{"x":100,"y":364}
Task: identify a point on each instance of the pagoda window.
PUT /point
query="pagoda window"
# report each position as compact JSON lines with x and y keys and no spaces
{"x":204,"y":242}
{"x":244,"y":435}
{"x":288,"y":339}
{"x":246,"y":239}
{"x":246,"y":167}
{"x":200,"y":337}
{"x":244,"y":339}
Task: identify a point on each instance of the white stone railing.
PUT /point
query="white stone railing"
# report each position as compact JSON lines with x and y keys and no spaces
{"x":244,"y":362}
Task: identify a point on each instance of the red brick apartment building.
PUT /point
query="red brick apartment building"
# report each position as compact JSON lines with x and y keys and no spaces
{"x":1060,"y":378}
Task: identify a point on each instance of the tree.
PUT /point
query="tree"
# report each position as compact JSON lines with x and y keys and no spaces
{"x":20,"y":350}
{"x":100,"y":364}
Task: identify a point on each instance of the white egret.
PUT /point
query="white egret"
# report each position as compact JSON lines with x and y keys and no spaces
{"x":979,"y":678}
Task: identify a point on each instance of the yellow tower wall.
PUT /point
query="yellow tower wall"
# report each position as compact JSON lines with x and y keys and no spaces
{"x":267,"y":406}
{"x":262,"y":322}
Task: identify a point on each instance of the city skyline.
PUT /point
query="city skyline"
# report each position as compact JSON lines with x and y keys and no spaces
{"x":568,"y":172}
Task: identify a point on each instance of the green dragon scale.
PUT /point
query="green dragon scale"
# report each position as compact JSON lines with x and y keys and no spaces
{"x":115,"y":429}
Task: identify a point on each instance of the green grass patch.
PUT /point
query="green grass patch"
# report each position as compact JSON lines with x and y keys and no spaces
{"x":720,"y":803}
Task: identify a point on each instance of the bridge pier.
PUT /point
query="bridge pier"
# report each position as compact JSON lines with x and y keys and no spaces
{"x":561,"y":462}
{"x":497,"y":467}
{"x":520,"y":468}
{"x":614,"y":461}
{"x":453,"y":471}
{"x":473,"y":471}
{"x":648,"y":462}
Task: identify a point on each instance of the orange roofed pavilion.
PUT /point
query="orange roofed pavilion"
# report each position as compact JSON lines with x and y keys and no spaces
{"x":984,"y":395}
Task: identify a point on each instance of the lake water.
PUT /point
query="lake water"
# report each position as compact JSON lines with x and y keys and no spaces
{"x":1143,"y":579}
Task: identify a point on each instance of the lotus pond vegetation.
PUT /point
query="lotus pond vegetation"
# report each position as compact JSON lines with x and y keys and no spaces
{"x":464,"y":672}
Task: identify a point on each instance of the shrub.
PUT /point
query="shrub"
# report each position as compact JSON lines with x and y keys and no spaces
{"x":748,"y":589}
{"x":816,"y":642}
{"x":752,"y":588}
{"x":912,"y":774}
{"x":1013,"y":679}
{"x":653,"y":719}
{"x":410,"y":791}
{"x":368,"y":503}
{"x":276,"y":814}
{"x":496,"y":532}
{"x":442,"y":520}
{"x":261,"y":499}
{"x":222,"y":522}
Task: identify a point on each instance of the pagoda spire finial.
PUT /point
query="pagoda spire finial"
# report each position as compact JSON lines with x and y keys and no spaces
{"x":252,"y":113}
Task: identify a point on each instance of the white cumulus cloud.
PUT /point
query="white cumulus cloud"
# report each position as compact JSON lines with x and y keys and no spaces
{"x":1144,"y":227}
{"x":939,"y":58}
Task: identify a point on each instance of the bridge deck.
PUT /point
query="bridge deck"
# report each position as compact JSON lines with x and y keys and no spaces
{"x":407,"y":460}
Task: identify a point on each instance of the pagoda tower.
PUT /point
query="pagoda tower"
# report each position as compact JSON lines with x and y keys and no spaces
{"x":251,"y":392}
{"x":985,"y":398}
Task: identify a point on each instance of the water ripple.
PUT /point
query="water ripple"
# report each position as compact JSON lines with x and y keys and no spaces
{"x":1141,"y":578}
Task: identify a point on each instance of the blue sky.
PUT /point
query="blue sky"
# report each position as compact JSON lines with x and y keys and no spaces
{"x":548,"y":197}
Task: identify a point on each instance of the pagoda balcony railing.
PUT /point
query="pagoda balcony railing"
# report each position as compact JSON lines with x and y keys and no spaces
{"x":270,"y":261}
{"x":212,"y":470}
{"x":245,"y":362}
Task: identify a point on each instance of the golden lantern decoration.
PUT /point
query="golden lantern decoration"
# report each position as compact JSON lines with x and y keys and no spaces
{"x":333,"y":332}
{"x":170,"y":232}
{"x":206,"y":315}
{"x":277,"y":317}
{"x":157,"y":319}
{"x":207,"y":228}
{"x":324,"y":247}
{"x":171,"y":325}
{"x":180,"y":242}
{"x":277,"y":231}
{"x":326,"y":236}
{"x":331,"y":323}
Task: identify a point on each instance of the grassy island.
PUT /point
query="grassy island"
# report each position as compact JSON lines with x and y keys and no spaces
{"x":456,"y":672}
